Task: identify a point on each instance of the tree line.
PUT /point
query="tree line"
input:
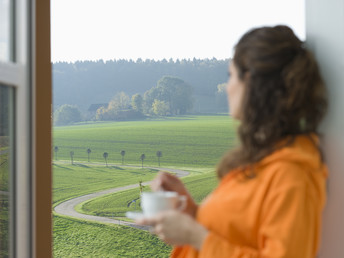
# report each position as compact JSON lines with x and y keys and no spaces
{"x":106,"y":155}
{"x":170,"y":96}
{"x":92,"y":82}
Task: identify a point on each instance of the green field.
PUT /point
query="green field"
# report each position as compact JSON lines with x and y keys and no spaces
{"x":70,"y":181}
{"x":190,"y":143}
{"x":115,"y":205}
{"x":4,"y":204}
{"x":4,"y":171}
{"x":77,"y":238}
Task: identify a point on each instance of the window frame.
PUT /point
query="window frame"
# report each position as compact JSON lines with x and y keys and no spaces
{"x":41,"y":128}
{"x":29,"y":73}
{"x":13,"y":74}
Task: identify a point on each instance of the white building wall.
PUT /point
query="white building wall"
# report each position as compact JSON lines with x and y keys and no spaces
{"x":325,"y":36}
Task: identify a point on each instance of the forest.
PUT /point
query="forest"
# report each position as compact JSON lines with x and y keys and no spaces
{"x":86,"y":84}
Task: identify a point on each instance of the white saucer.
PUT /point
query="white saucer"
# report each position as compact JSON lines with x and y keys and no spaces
{"x":134,"y":215}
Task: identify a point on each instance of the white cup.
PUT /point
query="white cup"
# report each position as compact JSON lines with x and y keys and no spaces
{"x":155,"y":202}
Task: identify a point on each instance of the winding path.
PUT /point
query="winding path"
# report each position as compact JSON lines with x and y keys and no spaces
{"x":67,"y":208}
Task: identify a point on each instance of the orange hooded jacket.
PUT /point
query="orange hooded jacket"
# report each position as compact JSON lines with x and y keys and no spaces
{"x":275,"y":214}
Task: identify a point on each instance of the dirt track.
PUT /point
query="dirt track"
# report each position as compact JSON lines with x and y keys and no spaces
{"x":67,"y":208}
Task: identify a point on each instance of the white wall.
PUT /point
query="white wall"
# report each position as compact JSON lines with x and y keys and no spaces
{"x":325,"y":36}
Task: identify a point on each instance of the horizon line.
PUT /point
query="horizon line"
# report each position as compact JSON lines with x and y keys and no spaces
{"x":140,"y":60}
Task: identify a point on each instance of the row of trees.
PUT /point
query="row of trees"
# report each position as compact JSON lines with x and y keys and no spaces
{"x":106,"y":155}
{"x":170,"y":96}
{"x":122,"y":107}
{"x":93,"y":82}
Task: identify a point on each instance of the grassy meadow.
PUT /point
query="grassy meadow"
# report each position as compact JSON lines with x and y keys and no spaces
{"x":77,"y":238}
{"x":192,"y":143}
{"x":71,"y":181}
{"x":115,"y":205}
{"x":4,"y":202}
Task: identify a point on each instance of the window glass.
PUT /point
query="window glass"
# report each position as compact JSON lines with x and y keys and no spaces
{"x":149,"y":94}
{"x":5,"y":169}
{"x":4,"y":30}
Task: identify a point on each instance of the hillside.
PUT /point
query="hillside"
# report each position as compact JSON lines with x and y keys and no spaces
{"x":94,"y":82}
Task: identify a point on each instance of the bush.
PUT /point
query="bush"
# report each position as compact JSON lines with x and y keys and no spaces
{"x":67,"y":114}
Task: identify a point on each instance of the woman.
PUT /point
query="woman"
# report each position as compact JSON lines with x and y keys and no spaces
{"x":272,"y":187}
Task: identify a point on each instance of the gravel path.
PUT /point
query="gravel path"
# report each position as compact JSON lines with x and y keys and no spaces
{"x":67,"y":208}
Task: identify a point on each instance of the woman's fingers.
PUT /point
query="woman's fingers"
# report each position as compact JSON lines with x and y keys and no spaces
{"x":151,"y":221}
{"x":158,"y":229}
{"x":145,"y":222}
{"x":165,"y":181}
{"x":156,"y":185}
{"x":176,"y":228}
{"x":159,"y":182}
{"x":168,"y":182}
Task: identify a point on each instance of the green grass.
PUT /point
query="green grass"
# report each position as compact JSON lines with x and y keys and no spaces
{"x":74,"y":238}
{"x":77,"y":238}
{"x":195,"y":141}
{"x":190,"y":143}
{"x":4,"y":142}
{"x":115,"y":205}
{"x":4,"y":225}
{"x":4,"y":172}
{"x":75,"y":180}
{"x":4,"y":205}
{"x":200,"y":186}
{"x":112,"y":205}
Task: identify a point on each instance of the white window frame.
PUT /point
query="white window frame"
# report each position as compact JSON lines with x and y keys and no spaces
{"x":14,"y":74}
{"x":26,"y":72}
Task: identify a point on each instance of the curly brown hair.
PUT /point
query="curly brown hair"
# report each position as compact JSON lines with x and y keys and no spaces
{"x":285,"y":95}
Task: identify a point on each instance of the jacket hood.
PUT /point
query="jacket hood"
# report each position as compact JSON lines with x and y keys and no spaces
{"x":303,"y":150}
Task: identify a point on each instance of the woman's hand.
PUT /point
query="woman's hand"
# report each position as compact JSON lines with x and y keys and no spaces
{"x":168,"y":182}
{"x":176,"y":228}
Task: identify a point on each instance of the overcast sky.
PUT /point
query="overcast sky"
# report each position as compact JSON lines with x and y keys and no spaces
{"x":157,"y":29}
{"x":4,"y":30}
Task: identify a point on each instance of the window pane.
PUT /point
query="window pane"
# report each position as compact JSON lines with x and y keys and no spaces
{"x":5,"y":169}
{"x":4,"y":30}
